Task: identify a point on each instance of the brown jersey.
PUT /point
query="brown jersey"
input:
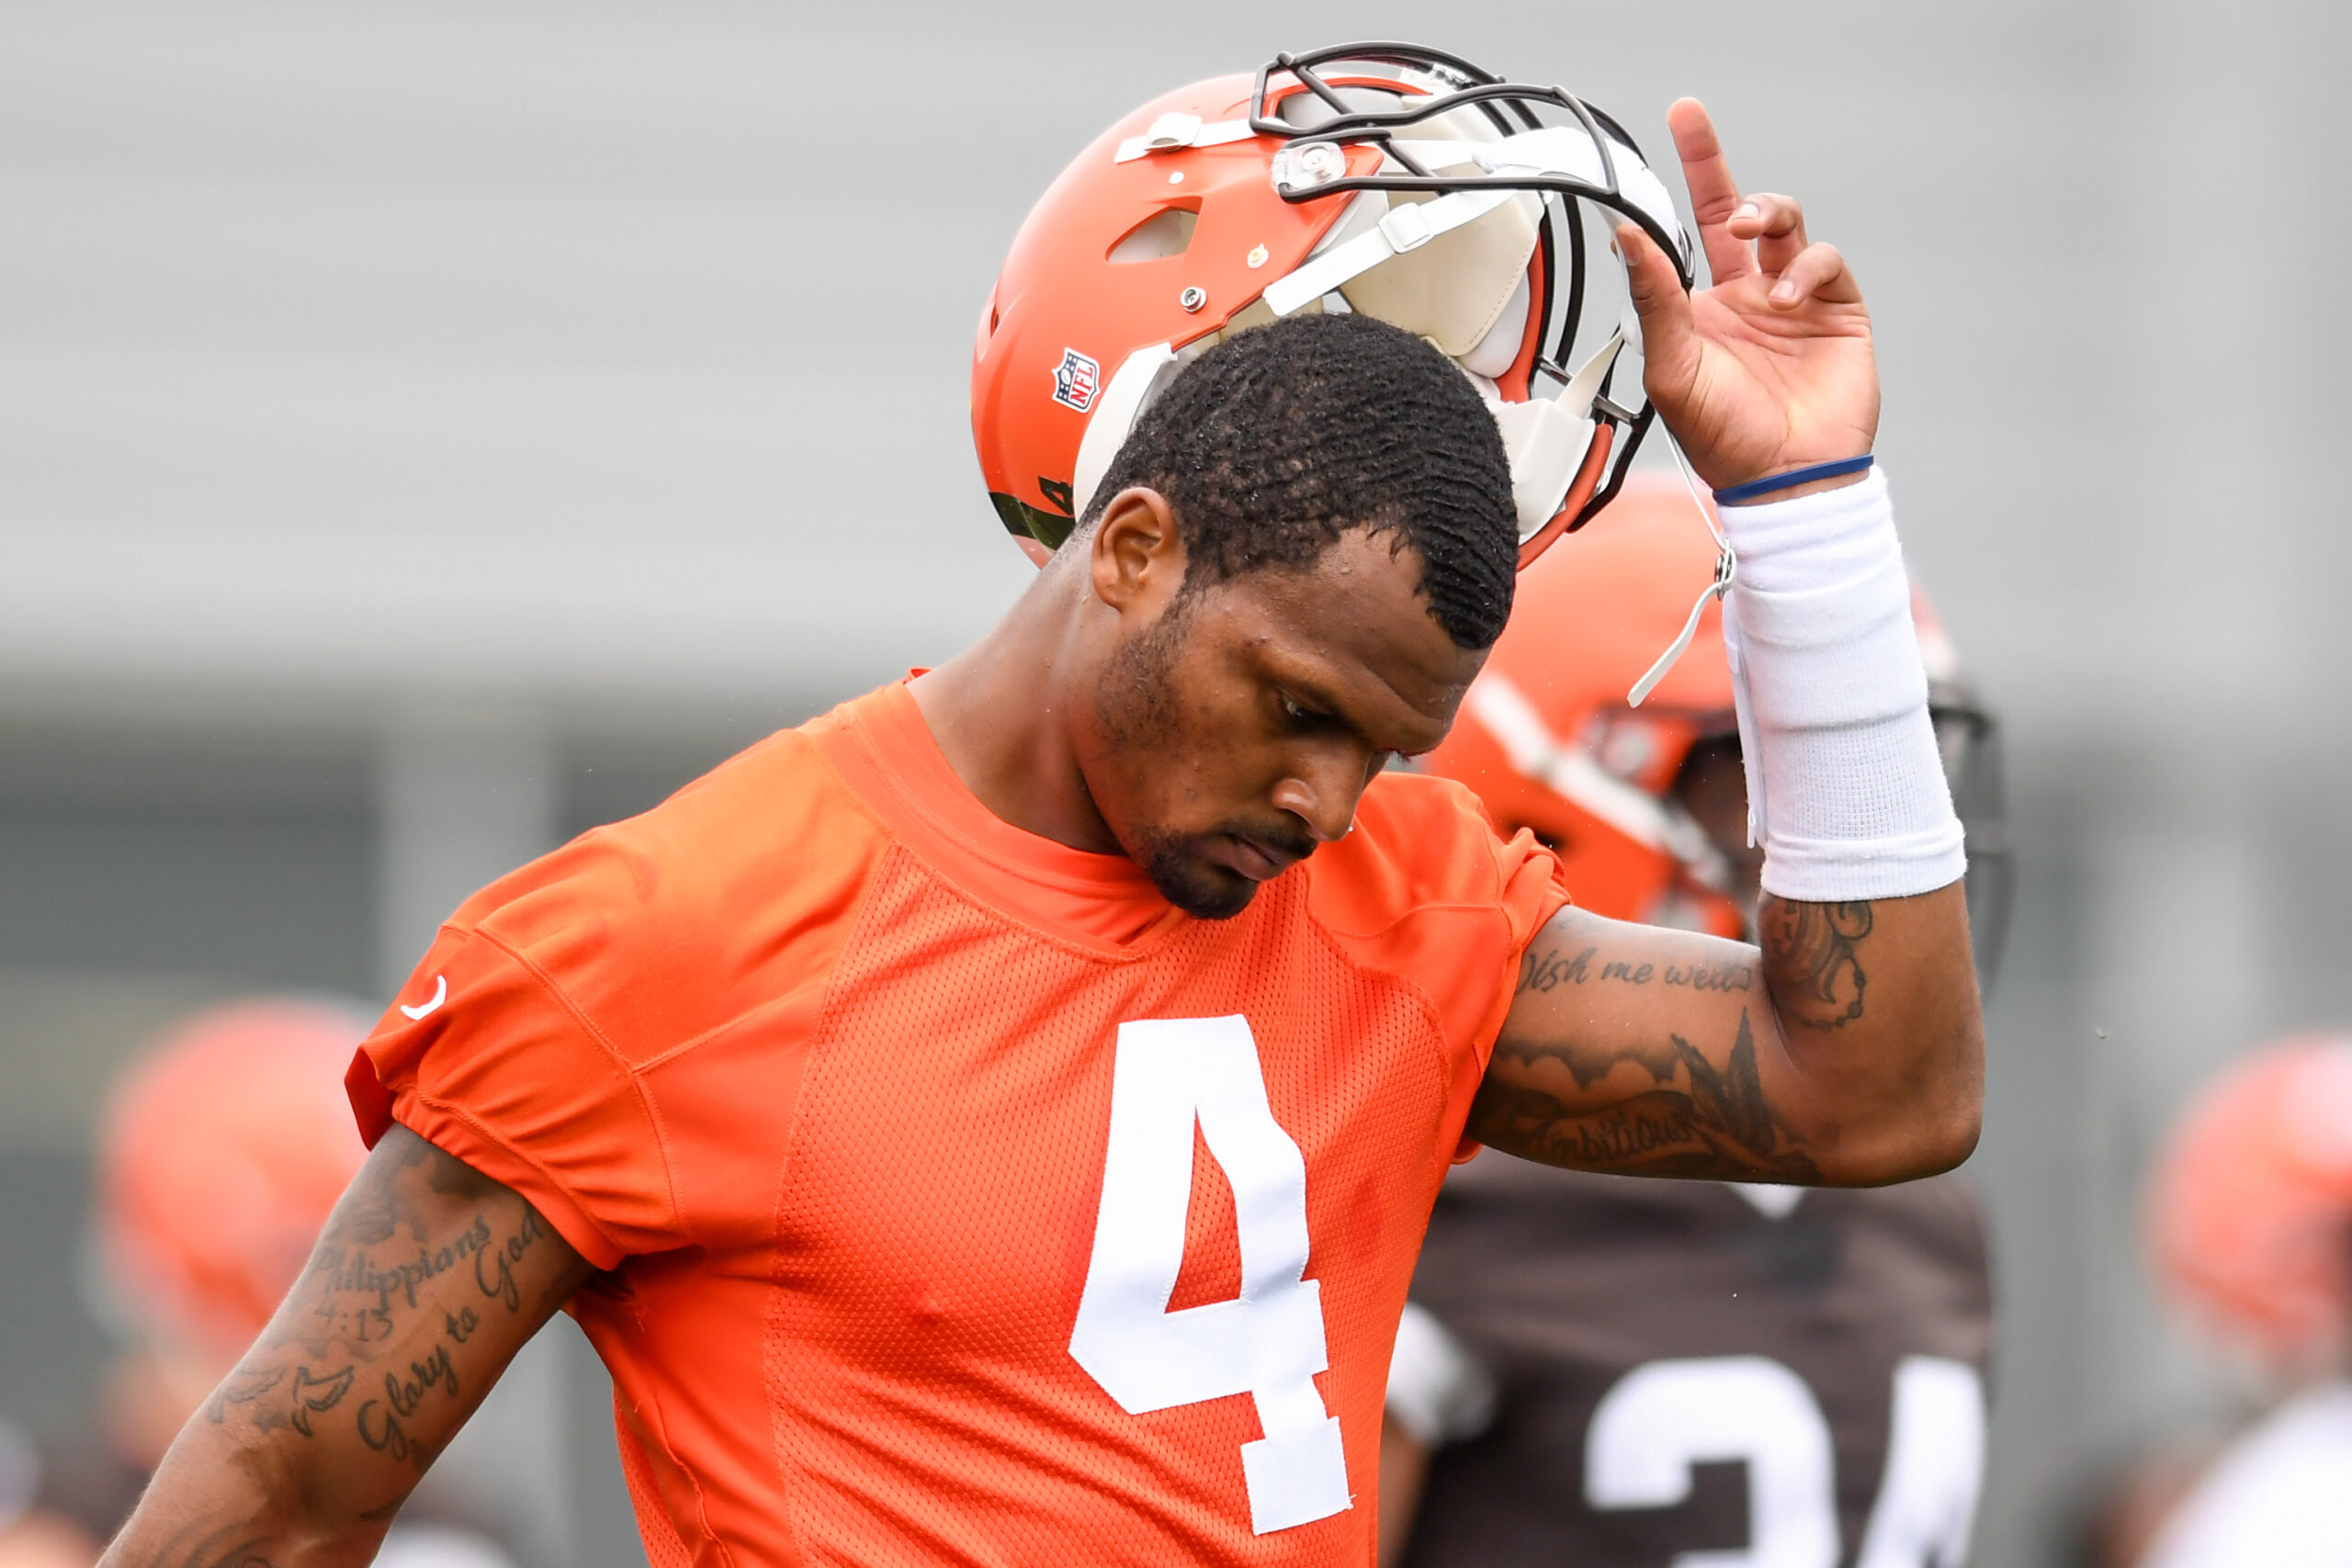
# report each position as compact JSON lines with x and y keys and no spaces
{"x":1682,"y":1373}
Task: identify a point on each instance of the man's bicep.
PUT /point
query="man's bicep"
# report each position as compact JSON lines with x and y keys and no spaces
{"x":1642,"y":1050}
{"x":427,"y":1279}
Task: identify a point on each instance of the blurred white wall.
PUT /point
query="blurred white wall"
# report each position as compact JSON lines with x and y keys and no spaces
{"x":369,"y":369}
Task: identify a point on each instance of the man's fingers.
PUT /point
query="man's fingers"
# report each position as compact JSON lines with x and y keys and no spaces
{"x":1777,"y":225}
{"x":1669,"y":344}
{"x":1714,"y":195}
{"x":1817,"y":271}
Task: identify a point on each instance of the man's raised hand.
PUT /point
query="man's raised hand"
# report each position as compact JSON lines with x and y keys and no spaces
{"x":1770,"y":368}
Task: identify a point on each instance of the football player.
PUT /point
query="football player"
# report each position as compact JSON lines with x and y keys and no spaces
{"x":996,"y":1120}
{"x":219,"y":1154}
{"x":2250,"y":1219}
{"x":1682,"y":1367}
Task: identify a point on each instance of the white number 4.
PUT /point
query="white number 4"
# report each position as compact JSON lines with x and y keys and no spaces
{"x":1268,"y":1343}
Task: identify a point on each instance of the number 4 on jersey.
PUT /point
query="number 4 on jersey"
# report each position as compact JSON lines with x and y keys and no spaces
{"x":1268,"y":1343}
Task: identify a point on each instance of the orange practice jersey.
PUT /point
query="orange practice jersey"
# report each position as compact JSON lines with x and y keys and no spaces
{"x":964,"y":1203}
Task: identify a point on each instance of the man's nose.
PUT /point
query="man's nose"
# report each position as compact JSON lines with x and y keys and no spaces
{"x":1323,"y":796}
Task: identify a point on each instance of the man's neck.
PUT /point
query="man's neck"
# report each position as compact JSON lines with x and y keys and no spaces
{"x":1002,"y":710}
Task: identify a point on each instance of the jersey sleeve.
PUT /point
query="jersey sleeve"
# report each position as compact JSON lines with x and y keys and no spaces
{"x":1426,"y":888}
{"x":1530,"y":893}
{"x":485,"y":1056}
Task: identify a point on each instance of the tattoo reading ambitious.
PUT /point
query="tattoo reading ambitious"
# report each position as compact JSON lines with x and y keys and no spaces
{"x":1700,"y":1121}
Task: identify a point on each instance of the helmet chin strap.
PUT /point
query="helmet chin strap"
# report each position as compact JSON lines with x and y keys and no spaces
{"x":1726,"y":573}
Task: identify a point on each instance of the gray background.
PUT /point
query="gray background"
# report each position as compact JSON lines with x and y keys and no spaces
{"x":426,"y":430}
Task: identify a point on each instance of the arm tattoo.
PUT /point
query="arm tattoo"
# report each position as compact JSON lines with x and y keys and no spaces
{"x":1547,"y":968}
{"x":1700,"y":1121}
{"x":1811,"y":960}
{"x":310,"y":1395}
{"x":381,"y":1266}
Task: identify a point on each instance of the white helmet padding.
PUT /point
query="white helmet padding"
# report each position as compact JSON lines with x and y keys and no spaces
{"x":1546,"y":444}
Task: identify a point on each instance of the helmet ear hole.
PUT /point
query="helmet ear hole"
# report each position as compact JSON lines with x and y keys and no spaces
{"x":1165,"y":234}
{"x":1305,"y":110}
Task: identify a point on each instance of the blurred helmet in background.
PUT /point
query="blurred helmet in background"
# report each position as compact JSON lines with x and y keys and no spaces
{"x":1385,"y":179}
{"x":2250,"y":1205}
{"x":223,"y":1148}
{"x":1546,"y":740}
{"x":1545,"y":737}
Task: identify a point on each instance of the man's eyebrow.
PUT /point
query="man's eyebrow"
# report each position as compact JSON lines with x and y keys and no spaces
{"x":1323,"y":697}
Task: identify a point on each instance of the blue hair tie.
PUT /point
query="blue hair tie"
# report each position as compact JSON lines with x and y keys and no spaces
{"x":1790,"y":480}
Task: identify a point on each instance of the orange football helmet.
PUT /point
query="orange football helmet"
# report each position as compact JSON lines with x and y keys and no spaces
{"x":1383,"y":178}
{"x":221,"y":1151}
{"x":2250,"y":1205}
{"x":1548,"y":741}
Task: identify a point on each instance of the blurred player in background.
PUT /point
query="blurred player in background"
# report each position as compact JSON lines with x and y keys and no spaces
{"x":1650,"y":1369}
{"x":2250,"y":1220}
{"x":222,"y":1150}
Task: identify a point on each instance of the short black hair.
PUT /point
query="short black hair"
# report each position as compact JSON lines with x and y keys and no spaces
{"x":1276,"y":442}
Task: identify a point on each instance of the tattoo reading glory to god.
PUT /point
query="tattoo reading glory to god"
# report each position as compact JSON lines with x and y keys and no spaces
{"x":382,"y":1421}
{"x":363,"y":1294}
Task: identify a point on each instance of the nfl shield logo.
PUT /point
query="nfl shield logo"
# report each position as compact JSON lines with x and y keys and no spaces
{"x":1076,"y":381}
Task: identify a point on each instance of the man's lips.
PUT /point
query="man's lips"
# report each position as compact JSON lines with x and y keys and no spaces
{"x":1258,"y":860}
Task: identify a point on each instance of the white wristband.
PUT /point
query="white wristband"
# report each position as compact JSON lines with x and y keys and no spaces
{"x":1845,"y":788}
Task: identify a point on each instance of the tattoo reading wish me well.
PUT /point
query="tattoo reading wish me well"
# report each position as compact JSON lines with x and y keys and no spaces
{"x":1547,"y":969}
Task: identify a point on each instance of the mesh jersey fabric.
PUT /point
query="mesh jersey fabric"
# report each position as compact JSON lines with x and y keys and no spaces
{"x":815,"y":1060}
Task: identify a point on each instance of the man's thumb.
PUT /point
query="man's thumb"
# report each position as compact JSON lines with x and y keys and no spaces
{"x":1664,"y":309}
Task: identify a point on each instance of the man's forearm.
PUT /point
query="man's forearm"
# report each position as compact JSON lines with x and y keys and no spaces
{"x":429,"y":1278}
{"x":217,"y":1502}
{"x":1876,"y":1007}
{"x":1847,"y":1052}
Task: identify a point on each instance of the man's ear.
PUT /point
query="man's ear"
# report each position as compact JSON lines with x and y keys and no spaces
{"x":1136,"y":551}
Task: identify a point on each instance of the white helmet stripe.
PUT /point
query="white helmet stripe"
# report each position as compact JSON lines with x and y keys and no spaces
{"x":1175,"y":131}
{"x":1402,"y":229}
{"x":1559,"y":149}
{"x":1115,"y":416}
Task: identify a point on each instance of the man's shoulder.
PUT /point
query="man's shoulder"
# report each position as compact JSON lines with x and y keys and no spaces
{"x":1419,"y":843}
{"x":734,"y":889}
{"x":745,"y":830}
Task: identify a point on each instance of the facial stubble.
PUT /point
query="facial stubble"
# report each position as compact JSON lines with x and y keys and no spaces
{"x":1136,"y":704}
